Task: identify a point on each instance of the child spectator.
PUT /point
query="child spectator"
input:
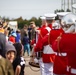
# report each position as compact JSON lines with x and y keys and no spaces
{"x":26,"y":44}
{"x":19,"y":62}
{"x":12,"y":38}
{"x":10,"y":52}
{"x":18,"y":38}
{"x":6,"y":67}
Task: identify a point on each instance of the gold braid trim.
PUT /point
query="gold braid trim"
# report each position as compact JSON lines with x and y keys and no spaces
{"x":41,"y":34}
{"x":59,"y":43}
{"x":49,"y":39}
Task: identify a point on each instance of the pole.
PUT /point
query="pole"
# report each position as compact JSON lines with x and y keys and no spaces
{"x":71,"y":5}
{"x":64,"y":5}
{"x":68,"y":4}
{"x":61,"y":4}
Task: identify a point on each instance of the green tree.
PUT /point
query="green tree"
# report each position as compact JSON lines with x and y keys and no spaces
{"x":57,"y":10}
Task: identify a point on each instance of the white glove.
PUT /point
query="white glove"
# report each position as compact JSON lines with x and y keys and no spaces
{"x":36,"y":60}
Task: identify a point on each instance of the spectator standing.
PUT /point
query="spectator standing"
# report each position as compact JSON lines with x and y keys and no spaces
{"x":26,"y":44}
{"x":18,"y":38}
{"x":5,"y":65}
{"x":23,"y":32}
{"x":19,"y":62}
{"x":12,"y":37}
{"x":29,"y":32}
{"x":33,"y":30}
{"x":2,"y":39}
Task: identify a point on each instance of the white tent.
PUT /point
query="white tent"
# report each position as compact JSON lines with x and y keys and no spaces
{"x":13,"y":25}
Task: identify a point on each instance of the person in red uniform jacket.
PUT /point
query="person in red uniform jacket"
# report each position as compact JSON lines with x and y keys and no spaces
{"x":48,"y":54}
{"x":60,"y":61}
{"x":66,"y":53}
{"x":41,"y":33}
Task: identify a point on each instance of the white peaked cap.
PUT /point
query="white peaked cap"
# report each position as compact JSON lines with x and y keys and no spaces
{"x":50,"y":16}
{"x":62,"y":14}
{"x":43,"y":17}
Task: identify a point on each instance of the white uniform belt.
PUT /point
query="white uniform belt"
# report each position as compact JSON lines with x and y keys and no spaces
{"x":48,"y":50}
{"x":72,"y":70}
{"x":61,"y":54}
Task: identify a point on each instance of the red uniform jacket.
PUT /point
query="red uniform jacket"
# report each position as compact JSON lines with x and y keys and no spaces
{"x":67,"y":44}
{"x":43,"y":32}
{"x":60,"y":61}
{"x":49,"y":54}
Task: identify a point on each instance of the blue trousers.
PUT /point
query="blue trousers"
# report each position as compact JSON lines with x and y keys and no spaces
{"x":27,"y":48}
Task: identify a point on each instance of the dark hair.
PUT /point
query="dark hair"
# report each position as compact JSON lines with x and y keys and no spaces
{"x":17,"y":31}
{"x":25,"y":34}
{"x":25,"y":25}
{"x":18,"y":47}
{"x":8,"y":28}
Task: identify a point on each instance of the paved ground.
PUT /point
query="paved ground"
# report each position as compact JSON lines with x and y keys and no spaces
{"x":28,"y":70}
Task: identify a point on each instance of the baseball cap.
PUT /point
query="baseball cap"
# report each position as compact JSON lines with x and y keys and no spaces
{"x":14,"y":34}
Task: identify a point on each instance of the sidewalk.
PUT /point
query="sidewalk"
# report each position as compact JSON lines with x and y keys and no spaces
{"x":32,"y":70}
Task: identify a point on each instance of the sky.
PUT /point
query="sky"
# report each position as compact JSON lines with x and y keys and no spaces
{"x":28,"y":8}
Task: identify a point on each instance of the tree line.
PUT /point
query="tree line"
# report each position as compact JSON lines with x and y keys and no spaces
{"x":22,"y":22}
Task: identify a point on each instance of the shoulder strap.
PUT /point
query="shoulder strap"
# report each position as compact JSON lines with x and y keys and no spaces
{"x":58,"y":44}
{"x":41,"y":34}
{"x":49,"y":39}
